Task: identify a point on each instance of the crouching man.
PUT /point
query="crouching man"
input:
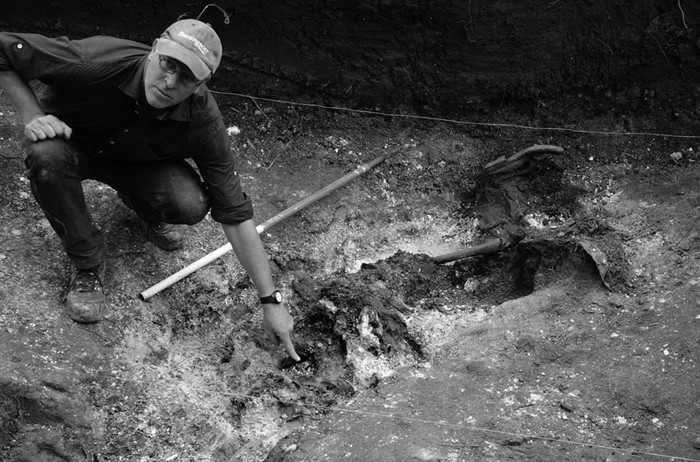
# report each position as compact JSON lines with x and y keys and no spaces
{"x":128,"y":115}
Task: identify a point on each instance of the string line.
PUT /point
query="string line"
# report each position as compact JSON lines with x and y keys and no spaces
{"x":458,"y":122}
{"x":435,"y":423}
{"x":521,"y":435}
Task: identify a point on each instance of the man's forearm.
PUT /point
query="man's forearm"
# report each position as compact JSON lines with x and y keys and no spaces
{"x":277,"y":322}
{"x":22,"y":96}
{"x":249,"y":249}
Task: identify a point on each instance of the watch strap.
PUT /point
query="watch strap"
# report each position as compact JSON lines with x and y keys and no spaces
{"x":275,"y":297}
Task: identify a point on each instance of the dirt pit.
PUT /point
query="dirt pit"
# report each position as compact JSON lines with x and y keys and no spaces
{"x":577,"y":342}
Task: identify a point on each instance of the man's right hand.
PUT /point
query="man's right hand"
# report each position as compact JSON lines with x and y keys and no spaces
{"x":40,"y":125}
{"x":46,"y":126}
{"x":278,"y":324}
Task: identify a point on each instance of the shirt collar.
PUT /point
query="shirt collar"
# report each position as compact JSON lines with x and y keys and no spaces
{"x":134,"y":83}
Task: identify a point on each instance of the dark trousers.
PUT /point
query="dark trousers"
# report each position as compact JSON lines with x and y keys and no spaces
{"x":168,"y":191}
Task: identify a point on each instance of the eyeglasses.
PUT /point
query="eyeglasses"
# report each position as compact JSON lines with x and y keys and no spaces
{"x":184,"y":76}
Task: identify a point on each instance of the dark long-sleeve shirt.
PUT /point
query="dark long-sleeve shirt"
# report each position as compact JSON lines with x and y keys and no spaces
{"x":95,"y":86}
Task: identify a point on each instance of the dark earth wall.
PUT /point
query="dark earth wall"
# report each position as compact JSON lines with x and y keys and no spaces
{"x":427,"y":56}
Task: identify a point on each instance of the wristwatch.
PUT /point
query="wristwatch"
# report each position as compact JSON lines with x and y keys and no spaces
{"x":275,"y":297}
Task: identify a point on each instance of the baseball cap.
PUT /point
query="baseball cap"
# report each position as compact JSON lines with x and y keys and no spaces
{"x":193,"y":43}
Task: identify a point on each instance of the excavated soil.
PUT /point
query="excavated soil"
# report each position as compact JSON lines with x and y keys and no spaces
{"x":579,"y":342}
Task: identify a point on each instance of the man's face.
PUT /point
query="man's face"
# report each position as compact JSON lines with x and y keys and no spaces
{"x":166,"y":88}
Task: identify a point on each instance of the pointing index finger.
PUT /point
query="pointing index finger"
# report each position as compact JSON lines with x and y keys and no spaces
{"x":289,"y":346}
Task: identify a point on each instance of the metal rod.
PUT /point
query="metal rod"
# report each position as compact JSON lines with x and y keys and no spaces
{"x":205,"y":260}
{"x":512,"y":237}
{"x":491,"y":246}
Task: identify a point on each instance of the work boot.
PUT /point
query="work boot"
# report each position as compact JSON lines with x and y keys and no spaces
{"x":164,"y":235}
{"x":85,"y":300}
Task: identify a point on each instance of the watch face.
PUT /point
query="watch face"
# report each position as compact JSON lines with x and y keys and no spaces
{"x":278,"y":296}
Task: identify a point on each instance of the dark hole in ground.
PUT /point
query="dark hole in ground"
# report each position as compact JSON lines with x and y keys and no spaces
{"x":379,"y":296}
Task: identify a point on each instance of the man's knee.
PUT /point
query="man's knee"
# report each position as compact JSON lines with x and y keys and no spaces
{"x":50,"y":159}
{"x":183,"y":188}
{"x":193,"y":206}
{"x":186,"y":205}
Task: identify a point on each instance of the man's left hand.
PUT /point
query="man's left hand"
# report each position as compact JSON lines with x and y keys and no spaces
{"x":278,"y":325}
